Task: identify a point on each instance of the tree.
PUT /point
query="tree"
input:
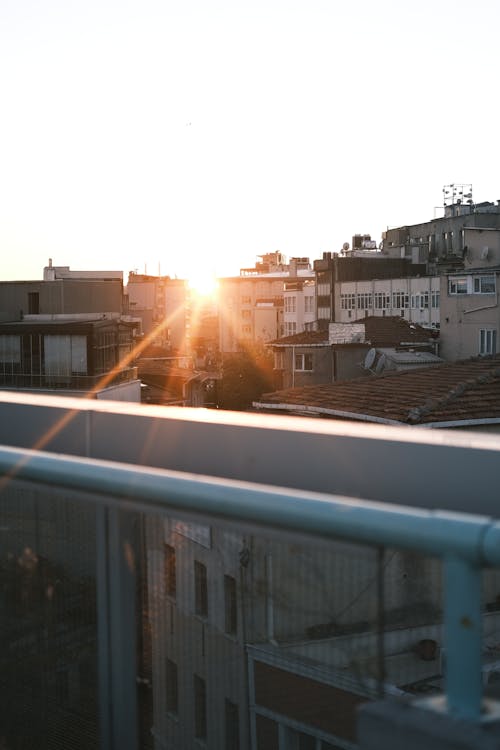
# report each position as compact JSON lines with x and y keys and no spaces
{"x":245,"y":376}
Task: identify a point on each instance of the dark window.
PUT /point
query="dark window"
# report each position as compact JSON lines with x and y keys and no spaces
{"x":170,"y":571}
{"x":231,"y":612}
{"x":232,"y":726}
{"x":267,"y":733}
{"x":200,"y":589}
{"x":200,"y":708}
{"x":33,"y":303}
{"x":172,"y":687}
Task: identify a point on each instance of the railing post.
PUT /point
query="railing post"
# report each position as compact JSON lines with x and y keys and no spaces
{"x":462,"y":620}
{"x":116,"y":623}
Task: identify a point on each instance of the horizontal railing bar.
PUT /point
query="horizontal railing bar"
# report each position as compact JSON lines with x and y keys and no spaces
{"x":437,"y":533}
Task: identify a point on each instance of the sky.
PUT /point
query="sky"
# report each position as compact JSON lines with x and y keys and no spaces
{"x":189,"y":137}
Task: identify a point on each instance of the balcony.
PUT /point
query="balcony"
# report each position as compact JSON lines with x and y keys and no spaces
{"x":65,"y":381}
{"x":188,"y":579}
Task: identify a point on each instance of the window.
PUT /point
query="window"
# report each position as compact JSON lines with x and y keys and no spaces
{"x":33,"y":303}
{"x":382,"y":301}
{"x":290,"y":304}
{"x":487,"y":341}
{"x":200,"y":589}
{"x":245,"y":300}
{"x":457,"y":285}
{"x":435,"y":299}
{"x":171,"y":688}
{"x":246,"y":314}
{"x":232,"y":739}
{"x":278,"y":360}
{"x":365,"y":301}
{"x":246,"y":329}
{"x":348,"y":301}
{"x":230,"y":606}
{"x":290,"y":328}
{"x":200,"y":708}
{"x":170,"y":571}
{"x":309,"y":304}
{"x":484,"y":284}
{"x":399,"y":299}
{"x":304,"y":362}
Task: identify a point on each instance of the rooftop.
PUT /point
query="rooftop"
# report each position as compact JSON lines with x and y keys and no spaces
{"x":379,"y":331}
{"x":444,"y":395}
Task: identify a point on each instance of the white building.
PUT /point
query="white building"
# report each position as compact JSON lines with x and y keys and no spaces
{"x":416,"y":299}
{"x":251,"y":306}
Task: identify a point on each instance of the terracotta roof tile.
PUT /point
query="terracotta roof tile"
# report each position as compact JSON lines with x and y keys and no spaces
{"x":379,"y":331}
{"x":467,"y":390}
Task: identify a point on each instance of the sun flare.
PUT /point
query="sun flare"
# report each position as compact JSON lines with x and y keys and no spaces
{"x":203,"y":284}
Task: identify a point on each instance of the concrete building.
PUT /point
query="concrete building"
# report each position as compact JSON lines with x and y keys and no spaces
{"x":299,"y":306}
{"x":251,"y":306}
{"x":163,"y":305}
{"x":441,"y":241}
{"x":62,"y":296}
{"x":332,"y":271}
{"x":86,"y":358}
{"x":414,"y":298}
{"x":342,"y":352}
{"x":470,"y":313}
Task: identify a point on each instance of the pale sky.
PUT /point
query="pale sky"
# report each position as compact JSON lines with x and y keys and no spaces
{"x":193,"y":136}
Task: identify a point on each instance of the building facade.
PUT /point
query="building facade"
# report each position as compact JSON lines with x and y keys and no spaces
{"x":252,"y":307}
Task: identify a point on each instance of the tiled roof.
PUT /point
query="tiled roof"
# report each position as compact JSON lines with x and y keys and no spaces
{"x":468,"y":390}
{"x":379,"y":331}
{"x":305,"y":338}
{"x":393,"y":331}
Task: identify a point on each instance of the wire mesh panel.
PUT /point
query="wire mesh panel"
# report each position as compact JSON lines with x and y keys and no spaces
{"x":47,"y":620}
{"x":244,"y":638}
{"x":267,"y":641}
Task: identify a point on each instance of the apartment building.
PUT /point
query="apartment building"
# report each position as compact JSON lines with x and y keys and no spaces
{"x":332,"y":271}
{"x":470,"y":312}
{"x":414,"y":298}
{"x":251,"y":305}
{"x":163,"y":305}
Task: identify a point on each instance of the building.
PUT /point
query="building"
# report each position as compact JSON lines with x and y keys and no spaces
{"x":91,"y":358}
{"x":414,"y":298}
{"x":350,"y":350}
{"x":299,"y":306}
{"x":441,"y":241}
{"x":470,"y":313}
{"x":251,"y":305}
{"x":163,"y":305}
{"x":102,"y":297}
{"x":334,"y":272}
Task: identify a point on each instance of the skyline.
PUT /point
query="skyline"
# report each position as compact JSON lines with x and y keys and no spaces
{"x":177,"y":137}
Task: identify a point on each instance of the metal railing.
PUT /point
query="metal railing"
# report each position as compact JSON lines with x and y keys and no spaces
{"x":466,"y":543}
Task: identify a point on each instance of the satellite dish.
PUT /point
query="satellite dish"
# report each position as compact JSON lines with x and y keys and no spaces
{"x":370,"y":358}
{"x":345,"y":247}
{"x":380,"y":364}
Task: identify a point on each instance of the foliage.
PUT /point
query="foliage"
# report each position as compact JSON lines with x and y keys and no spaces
{"x":245,"y":376}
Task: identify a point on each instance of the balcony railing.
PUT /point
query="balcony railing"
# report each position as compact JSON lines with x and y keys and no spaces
{"x":142,"y":590}
{"x":54,"y":381}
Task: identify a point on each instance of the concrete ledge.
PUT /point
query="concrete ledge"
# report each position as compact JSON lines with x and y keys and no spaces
{"x":392,"y":725}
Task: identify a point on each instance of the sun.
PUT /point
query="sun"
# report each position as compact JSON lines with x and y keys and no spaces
{"x":203,"y":284}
